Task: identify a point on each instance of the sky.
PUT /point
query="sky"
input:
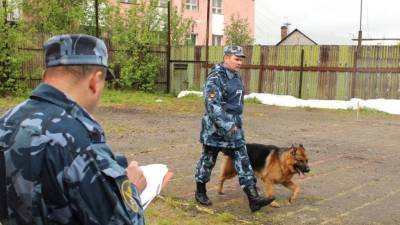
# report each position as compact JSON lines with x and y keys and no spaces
{"x":331,"y":22}
{"x":391,"y":106}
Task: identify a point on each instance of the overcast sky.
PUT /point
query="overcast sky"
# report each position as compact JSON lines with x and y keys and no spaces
{"x":327,"y":21}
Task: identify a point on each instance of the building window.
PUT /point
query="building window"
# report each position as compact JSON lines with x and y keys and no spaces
{"x":128,"y":1}
{"x":217,"y":40}
{"x":191,"y":39}
{"x":191,"y":4}
{"x":217,"y":6}
{"x":163,"y":3}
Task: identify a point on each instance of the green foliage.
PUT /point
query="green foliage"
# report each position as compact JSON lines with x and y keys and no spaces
{"x":135,"y":35}
{"x":132,"y":33}
{"x":62,"y":16}
{"x":10,"y":58}
{"x":238,"y":32}
{"x":180,"y":27}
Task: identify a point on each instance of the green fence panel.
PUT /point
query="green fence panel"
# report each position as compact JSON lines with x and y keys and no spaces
{"x":343,"y":84}
{"x":310,"y":85}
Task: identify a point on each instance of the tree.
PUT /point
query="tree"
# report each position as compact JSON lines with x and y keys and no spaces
{"x":180,"y":27}
{"x":133,"y":33}
{"x":238,"y":32}
{"x":11,"y":36}
{"x":62,"y":16}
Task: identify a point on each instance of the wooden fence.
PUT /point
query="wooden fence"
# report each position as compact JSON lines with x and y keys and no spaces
{"x":308,"y":72}
{"x":32,"y":69}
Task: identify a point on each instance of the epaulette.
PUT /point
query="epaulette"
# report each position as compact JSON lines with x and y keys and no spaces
{"x":216,"y":70}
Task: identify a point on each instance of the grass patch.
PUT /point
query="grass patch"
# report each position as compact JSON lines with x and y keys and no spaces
{"x":171,"y":211}
{"x":252,"y":101}
{"x":9,"y":102}
{"x":366,"y":112}
{"x":372,"y":111}
{"x":150,"y":102}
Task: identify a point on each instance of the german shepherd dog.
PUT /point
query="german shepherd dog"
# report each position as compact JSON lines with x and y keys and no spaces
{"x":273,"y":165}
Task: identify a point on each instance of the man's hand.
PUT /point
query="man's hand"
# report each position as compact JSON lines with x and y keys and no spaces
{"x":233,"y":129}
{"x":135,"y":175}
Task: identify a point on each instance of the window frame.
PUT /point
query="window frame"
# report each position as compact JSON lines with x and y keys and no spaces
{"x":217,"y":40}
{"x":192,"y":5}
{"x":163,"y":3}
{"x":191,"y":39}
{"x":217,"y":8}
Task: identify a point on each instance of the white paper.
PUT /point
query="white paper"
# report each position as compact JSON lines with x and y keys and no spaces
{"x":154,"y":174}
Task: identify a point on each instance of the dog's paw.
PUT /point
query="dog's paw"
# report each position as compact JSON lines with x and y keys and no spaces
{"x":274,"y":204}
{"x":291,"y":200}
{"x":221,"y":193}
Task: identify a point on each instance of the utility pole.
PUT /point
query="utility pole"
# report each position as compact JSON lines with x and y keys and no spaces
{"x":169,"y":47}
{"x":207,"y":34}
{"x":360,"y":31}
{"x":96,"y":7}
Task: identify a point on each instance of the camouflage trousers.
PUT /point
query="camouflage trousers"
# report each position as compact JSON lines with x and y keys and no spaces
{"x":239,"y":157}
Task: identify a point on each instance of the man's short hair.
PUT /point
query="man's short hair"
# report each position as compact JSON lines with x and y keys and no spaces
{"x":84,"y":70}
{"x":75,"y":72}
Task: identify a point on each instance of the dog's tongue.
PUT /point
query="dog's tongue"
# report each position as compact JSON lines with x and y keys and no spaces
{"x":301,"y":174}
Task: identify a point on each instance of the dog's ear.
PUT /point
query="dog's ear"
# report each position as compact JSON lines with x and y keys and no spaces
{"x":301,"y":146}
{"x":293,"y":150}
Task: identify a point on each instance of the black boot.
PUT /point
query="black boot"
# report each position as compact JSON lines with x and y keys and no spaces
{"x":200,"y":194}
{"x":256,"y":202}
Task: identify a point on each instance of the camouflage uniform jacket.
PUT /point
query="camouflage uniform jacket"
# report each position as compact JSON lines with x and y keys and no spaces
{"x":59,"y":169}
{"x":223,"y":99}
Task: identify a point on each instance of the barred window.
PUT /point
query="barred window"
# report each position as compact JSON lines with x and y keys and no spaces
{"x":217,"y":6}
{"x":217,"y":40}
{"x":191,"y":39}
{"x":191,"y":4}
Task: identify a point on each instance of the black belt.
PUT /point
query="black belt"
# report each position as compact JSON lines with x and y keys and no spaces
{"x":3,"y":187}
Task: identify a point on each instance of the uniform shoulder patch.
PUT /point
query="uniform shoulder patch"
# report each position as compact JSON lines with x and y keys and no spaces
{"x":212,"y":93}
{"x":127,"y":195}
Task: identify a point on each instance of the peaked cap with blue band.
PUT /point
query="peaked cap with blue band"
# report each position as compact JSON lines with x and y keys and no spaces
{"x":76,"y":49}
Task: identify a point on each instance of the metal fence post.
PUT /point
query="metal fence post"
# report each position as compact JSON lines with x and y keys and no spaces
{"x":301,"y":73}
{"x":261,"y":74}
{"x":169,"y":49}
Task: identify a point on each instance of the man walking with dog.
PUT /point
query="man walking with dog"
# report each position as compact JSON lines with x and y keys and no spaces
{"x":222,"y":128}
{"x":58,"y":166}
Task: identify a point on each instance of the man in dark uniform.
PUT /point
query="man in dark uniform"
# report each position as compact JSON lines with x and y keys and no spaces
{"x":222,"y":129}
{"x":59,"y":168}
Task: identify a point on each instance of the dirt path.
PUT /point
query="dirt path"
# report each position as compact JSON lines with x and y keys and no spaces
{"x":354,"y":175}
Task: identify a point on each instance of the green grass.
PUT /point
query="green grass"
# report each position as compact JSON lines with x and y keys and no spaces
{"x":161,"y":102}
{"x":365,"y":112}
{"x":171,"y":211}
{"x":11,"y":101}
{"x":252,"y":101}
{"x":151,"y":102}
